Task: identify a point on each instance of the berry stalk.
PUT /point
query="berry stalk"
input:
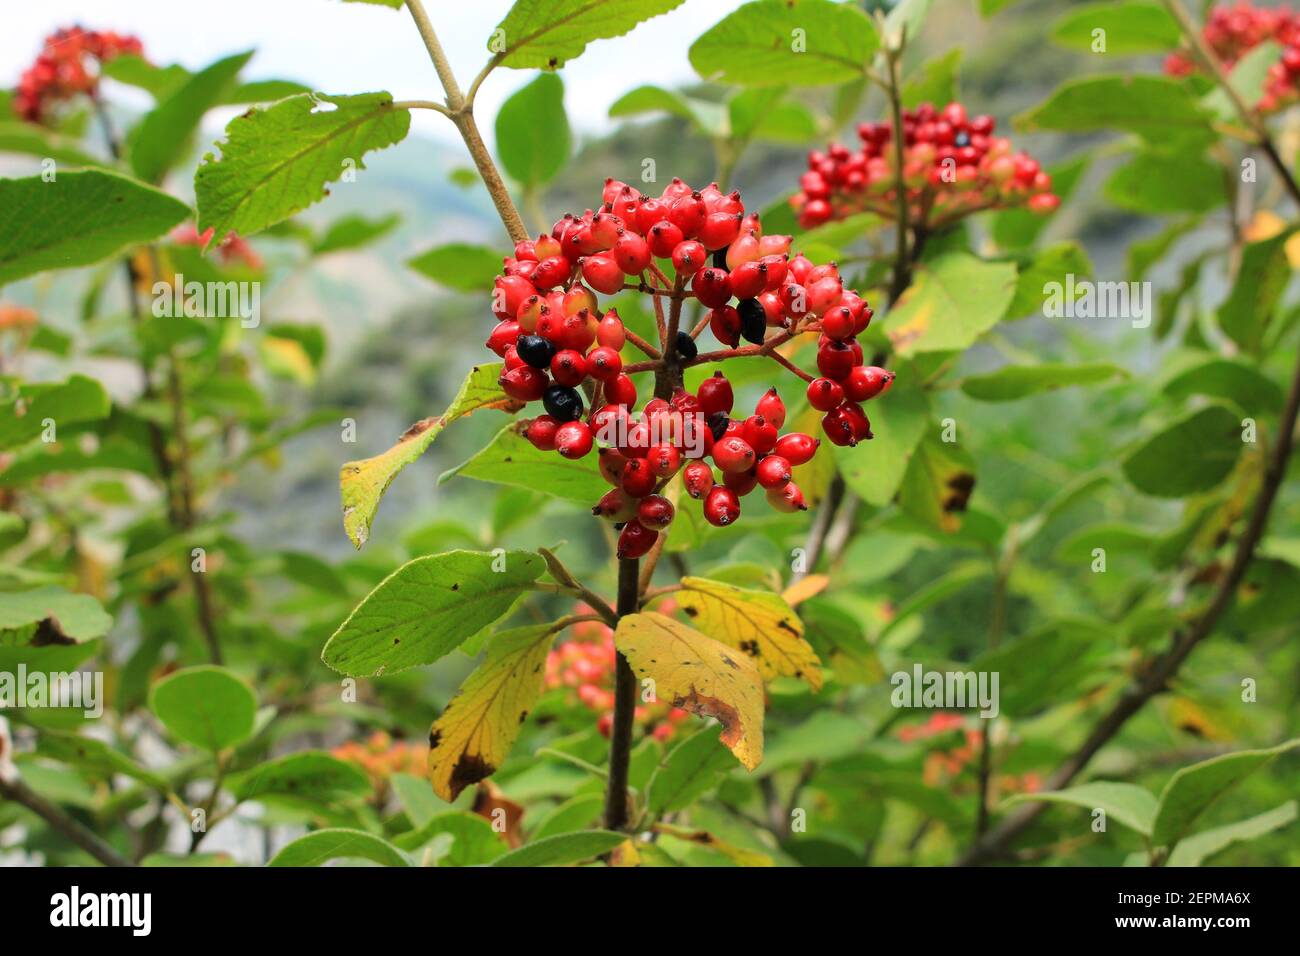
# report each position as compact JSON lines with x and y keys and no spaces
{"x":620,"y":735}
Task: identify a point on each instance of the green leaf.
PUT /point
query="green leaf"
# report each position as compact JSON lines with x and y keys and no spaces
{"x":79,"y":218}
{"x":1196,"y":849}
{"x":474,"y":842}
{"x":308,"y":774}
{"x":353,"y":232}
{"x":775,"y":42}
{"x":1012,"y":382}
{"x":1126,"y":803}
{"x":1158,"y":183}
{"x":79,"y":399}
{"x":426,"y":608}
{"x":935,"y":82}
{"x":692,"y":768}
{"x":533,"y":139}
{"x":1249,"y":77}
{"x":161,"y":139}
{"x":763,"y":114}
{"x":50,"y":615}
{"x":32,"y":140}
{"x":333,"y":844}
{"x":1193,"y":454}
{"x":263,"y":91}
{"x":546,"y":34}
{"x":510,"y":459}
{"x":1158,"y":109}
{"x":277,"y":161}
{"x":1053,"y":264}
{"x":362,"y":483}
{"x":136,"y":71}
{"x":1144,"y":253}
{"x":1057,"y":664}
{"x":652,"y":99}
{"x":875,"y":469}
{"x":1128,"y":28}
{"x":576,"y":813}
{"x":1191,"y":790}
{"x":95,"y":757}
{"x":937,"y":484}
{"x":459,"y":265}
{"x":952,"y":302}
{"x":207,"y":706}
{"x":1262,"y":277}
{"x":1230,"y":379}
{"x":563,"y":850}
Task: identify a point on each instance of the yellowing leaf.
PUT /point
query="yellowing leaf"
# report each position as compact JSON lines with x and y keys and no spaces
{"x":699,"y":674}
{"x":804,"y":588}
{"x":474,"y":734}
{"x":759,"y":623}
{"x":364,"y":482}
{"x":288,"y":358}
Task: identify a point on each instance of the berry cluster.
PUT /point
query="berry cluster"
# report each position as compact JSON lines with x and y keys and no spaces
{"x":953,"y":166}
{"x":946,"y":761}
{"x":585,"y":666}
{"x":233,"y":248}
{"x":556,"y":342}
{"x":1232,"y":32}
{"x":381,"y":756}
{"x":65,"y":69}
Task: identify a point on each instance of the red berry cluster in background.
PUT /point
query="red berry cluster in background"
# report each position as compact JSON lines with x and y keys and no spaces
{"x":555,"y":340}
{"x":585,"y":666}
{"x":1232,"y":32}
{"x":233,"y":248}
{"x":953,"y":166}
{"x":947,"y":762}
{"x":65,"y":68}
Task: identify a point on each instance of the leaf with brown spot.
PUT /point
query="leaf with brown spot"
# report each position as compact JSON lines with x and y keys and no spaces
{"x":938,"y":485}
{"x":364,"y":482}
{"x":760,"y":623}
{"x":474,"y":734}
{"x":694,"y":672}
{"x":493,"y":805}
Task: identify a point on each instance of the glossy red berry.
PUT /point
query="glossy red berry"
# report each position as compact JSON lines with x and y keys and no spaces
{"x":760,"y":434}
{"x":631,"y":253}
{"x":787,"y":498}
{"x":525,"y":383}
{"x":773,"y":471}
{"x":541,"y":432}
{"x":574,"y":439}
{"x":610,"y":332}
{"x":721,"y":506}
{"x":689,"y":257}
{"x":621,"y":390}
{"x":835,"y":360}
{"x":551,"y":272}
{"x":771,"y":407}
{"x":825,"y":394}
{"x":724,"y":323}
{"x":604,"y":363}
{"x":664,"y":237}
{"x":569,"y":367}
{"x":796,"y":447}
{"x":615,"y":505}
{"x":639,"y":478}
{"x":602,"y":273}
{"x":733,"y":453}
{"x":655,"y":512}
{"x":865,"y":382}
{"x":715,"y":395}
{"x":697,"y":477}
{"x":664,"y":460}
{"x":503,"y":336}
{"x":712,"y":287}
{"x":635,"y":540}
{"x":741,"y":482}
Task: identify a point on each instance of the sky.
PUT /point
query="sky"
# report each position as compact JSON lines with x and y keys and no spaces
{"x":355,"y":47}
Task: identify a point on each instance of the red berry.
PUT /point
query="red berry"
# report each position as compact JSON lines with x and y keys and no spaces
{"x":638,"y":478}
{"x":838,"y":323}
{"x":732,"y":453}
{"x":602,"y":273}
{"x":604,"y":363}
{"x":760,"y":434}
{"x":773,"y":471}
{"x":771,"y":407}
{"x":635,"y":540}
{"x":787,"y":497}
{"x":688,"y":214}
{"x":721,"y":506}
{"x":655,"y":512}
{"x":621,"y":390}
{"x":631,"y":253}
{"x":574,"y":439}
{"x":748,"y":280}
{"x":835,"y":360}
{"x":697,"y":478}
{"x":568,"y":367}
{"x":742,"y":483}
{"x":503,"y":336}
{"x":719,"y":229}
{"x":664,"y":460}
{"x":797,"y":448}
{"x":838,"y":427}
{"x":541,"y":432}
{"x":615,"y":505}
{"x":689,"y":257}
{"x":715,"y":394}
{"x":551,"y":272}
{"x":725,"y":324}
{"x":610,"y":332}
{"x":611,"y":466}
{"x":508,"y":294}
{"x":865,"y":382}
{"x":712,"y":287}
{"x":664,"y":237}
{"x":825,"y":394}
{"x":525,"y":383}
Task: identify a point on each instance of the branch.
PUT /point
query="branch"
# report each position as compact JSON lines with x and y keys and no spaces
{"x":620,"y":734}
{"x":461,"y":112}
{"x":18,"y":791}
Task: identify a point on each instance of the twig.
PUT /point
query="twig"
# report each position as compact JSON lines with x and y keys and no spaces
{"x":18,"y":791}
{"x":620,"y":734}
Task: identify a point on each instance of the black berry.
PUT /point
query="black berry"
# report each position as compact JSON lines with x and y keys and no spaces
{"x":686,"y":347}
{"x":753,"y":321}
{"x":562,"y":403}
{"x":535,"y":350}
